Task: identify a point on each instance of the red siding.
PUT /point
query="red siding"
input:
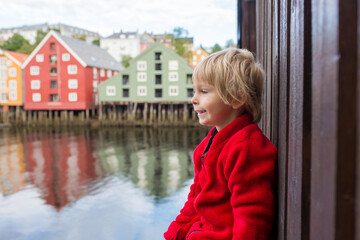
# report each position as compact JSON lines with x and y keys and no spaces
{"x":85,"y":91}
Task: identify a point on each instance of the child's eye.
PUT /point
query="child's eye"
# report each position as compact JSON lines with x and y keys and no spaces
{"x":203,"y":91}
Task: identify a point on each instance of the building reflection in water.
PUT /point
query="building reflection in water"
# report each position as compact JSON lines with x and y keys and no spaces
{"x":66,"y":166}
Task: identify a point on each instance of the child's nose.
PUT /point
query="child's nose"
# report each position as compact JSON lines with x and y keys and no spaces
{"x":194,"y":100}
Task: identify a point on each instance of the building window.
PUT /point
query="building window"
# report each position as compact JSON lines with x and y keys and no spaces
{"x":53,"y":59}
{"x":40,"y":58}
{"x":52,"y":46}
{"x":158,"y":56}
{"x":3,"y":97}
{"x":173,"y":76}
{"x":2,"y":84}
{"x":12,"y":95}
{"x":157,"y":79}
{"x":125,"y":79}
{"x":53,"y":71}
{"x":53,"y":84}
{"x":125,"y":93}
{"x":72,"y":69}
{"x":141,"y":76}
{"x":34,"y":70}
{"x":12,"y":84}
{"x":54,"y":97}
{"x":158,"y":66}
{"x":173,"y":90}
{"x":173,"y":65}
{"x":109,"y":73}
{"x":12,"y":72}
{"x":189,"y":79}
{"x":36,"y":97}
{"x":72,"y":97}
{"x":141,"y":66}
{"x":72,"y":83}
{"x":95,"y":73}
{"x":3,"y":74}
{"x":102,"y":73}
{"x":190,"y":92}
{"x":35,"y":84}
{"x":158,"y":93}
{"x":95,"y":85}
{"x":65,"y":57}
{"x":110,"y":91}
{"x":141,"y":91}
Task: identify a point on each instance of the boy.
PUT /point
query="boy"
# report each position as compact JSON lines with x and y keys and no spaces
{"x":231,"y":197}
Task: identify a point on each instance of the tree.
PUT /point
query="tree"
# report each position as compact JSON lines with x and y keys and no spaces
{"x":96,"y":42}
{"x":230,"y":43}
{"x":15,"y":43}
{"x":80,"y":37}
{"x":125,"y":60}
{"x":216,"y":48}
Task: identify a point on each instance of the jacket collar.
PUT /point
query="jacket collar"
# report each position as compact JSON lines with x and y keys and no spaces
{"x":230,"y":129}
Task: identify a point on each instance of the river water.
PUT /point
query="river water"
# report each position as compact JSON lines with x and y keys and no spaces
{"x":115,"y":183}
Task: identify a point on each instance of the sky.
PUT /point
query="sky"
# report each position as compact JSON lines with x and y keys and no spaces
{"x":208,"y":21}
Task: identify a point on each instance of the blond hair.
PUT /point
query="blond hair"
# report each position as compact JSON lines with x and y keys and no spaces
{"x":237,"y":78}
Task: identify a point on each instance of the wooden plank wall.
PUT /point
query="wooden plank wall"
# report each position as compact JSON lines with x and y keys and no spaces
{"x":311,"y":54}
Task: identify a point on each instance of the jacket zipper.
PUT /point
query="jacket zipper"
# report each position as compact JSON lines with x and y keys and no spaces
{"x":208,"y":146}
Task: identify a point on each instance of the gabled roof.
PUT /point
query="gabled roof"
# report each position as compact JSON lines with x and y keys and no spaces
{"x":156,"y":46}
{"x":18,"y":58}
{"x":87,"y":54}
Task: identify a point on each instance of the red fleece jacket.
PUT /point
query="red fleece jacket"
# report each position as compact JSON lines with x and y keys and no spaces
{"x":231,"y":197}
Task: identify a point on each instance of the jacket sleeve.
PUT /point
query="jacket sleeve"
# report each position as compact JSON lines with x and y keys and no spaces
{"x":250,"y":173}
{"x":179,"y":228}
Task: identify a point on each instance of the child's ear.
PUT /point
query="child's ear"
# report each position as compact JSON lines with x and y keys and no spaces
{"x":237,"y":105}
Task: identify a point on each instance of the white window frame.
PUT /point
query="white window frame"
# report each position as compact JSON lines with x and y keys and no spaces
{"x":110,"y":91}
{"x":3,"y":84}
{"x":173,"y":90}
{"x":142,"y":91}
{"x":39,"y":58}
{"x":72,"y":69}
{"x":141,"y":65}
{"x":72,"y":97}
{"x":3,"y":97}
{"x":65,"y":57}
{"x":102,"y":73}
{"x":12,"y":84}
{"x":12,"y":95}
{"x":173,"y":76}
{"x":95,"y":73}
{"x":3,"y":74}
{"x":141,"y":77}
{"x":173,"y":65}
{"x":73,"y":84}
{"x":34,"y":70}
{"x":12,"y":72}
{"x":35,"y":84}
{"x":109,"y":73}
{"x":36,"y":97}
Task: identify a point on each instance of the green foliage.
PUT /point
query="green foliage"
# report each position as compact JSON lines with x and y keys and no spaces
{"x":14,"y":43}
{"x":96,"y":42}
{"x":18,"y":43}
{"x":230,"y":43}
{"x":80,"y":37}
{"x":125,"y":60}
{"x":216,"y":48}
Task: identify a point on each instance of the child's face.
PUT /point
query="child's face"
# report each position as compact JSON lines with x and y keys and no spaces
{"x":210,"y":108}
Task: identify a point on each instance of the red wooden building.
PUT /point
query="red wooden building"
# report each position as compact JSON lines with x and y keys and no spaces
{"x":62,"y":73}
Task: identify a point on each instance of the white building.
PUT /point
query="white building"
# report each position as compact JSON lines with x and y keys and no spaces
{"x":29,"y":32}
{"x":121,"y":44}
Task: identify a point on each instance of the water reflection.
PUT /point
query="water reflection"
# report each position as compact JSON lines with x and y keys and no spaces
{"x":109,"y":184}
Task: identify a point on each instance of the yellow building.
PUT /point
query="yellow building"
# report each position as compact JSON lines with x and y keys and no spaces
{"x":11,"y":84}
{"x":198,"y":55}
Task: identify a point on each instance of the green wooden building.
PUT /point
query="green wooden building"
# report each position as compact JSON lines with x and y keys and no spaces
{"x":157,"y":75}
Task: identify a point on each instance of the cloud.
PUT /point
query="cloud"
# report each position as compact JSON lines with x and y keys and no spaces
{"x":209,"y":22}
